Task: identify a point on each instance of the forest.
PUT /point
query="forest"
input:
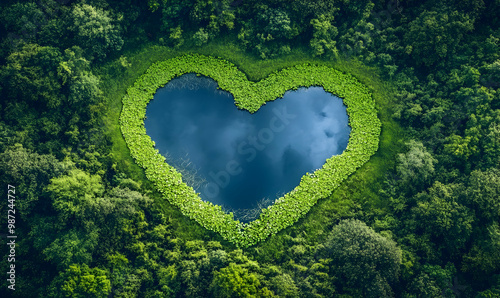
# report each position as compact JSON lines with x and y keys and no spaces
{"x":80,"y":218}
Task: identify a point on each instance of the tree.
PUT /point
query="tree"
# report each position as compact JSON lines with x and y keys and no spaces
{"x":72,"y":246}
{"x":73,"y":193}
{"x":82,"y":86}
{"x":415,"y":167}
{"x":490,"y":74}
{"x":435,"y":35}
{"x":324,"y":34}
{"x":168,"y":281}
{"x":81,"y":281}
{"x":23,"y":22}
{"x":423,"y":286}
{"x":175,"y":37}
{"x":236,"y":281}
{"x":174,"y":13}
{"x":284,"y":286}
{"x":200,"y":37}
{"x":483,"y":192}
{"x":483,"y":259}
{"x":440,"y":214}
{"x":276,"y":23}
{"x":30,"y":172}
{"x":95,"y":31}
{"x":268,"y":33}
{"x":363,"y":260}
{"x":30,"y":76}
{"x":213,"y":15}
{"x":433,"y":281}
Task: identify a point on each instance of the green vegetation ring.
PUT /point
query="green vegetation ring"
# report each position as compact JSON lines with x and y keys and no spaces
{"x":363,"y":141}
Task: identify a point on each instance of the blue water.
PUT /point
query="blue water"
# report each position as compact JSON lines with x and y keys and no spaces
{"x":237,"y":159}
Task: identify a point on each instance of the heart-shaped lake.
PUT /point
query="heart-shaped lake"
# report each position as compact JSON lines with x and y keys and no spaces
{"x":239,"y":160}
{"x":250,"y":96}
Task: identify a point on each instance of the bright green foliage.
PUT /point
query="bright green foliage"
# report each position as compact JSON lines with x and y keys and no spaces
{"x":167,"y":276}
{"x":323,"y":36}
{"x":175,"y":37}
{"x":74,"y":192}
{"x":284,"y":286}
{"x":364,"y":261}
{"x":236,"y":281}
{"x":442,"y":59}
{"x":417,"y":165}
{"x":200,"y":37}
{"x":461,"y":147}
{"x":80,"y":281}
{"x":74,"y":198}
{"x":365,"y":130}
{"x":96,"y":32}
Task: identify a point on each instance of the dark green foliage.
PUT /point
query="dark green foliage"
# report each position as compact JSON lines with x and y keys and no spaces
{"x":41,"y":87}
{"x":364,"y":261}
{"x":483,"y":193}
{"x":85,"y":218}
{"x":31,"y":172}
{"x":440,"y":215}
{"x":269,"y":33}
{"x":30,"y":76}
{"x":434,"y":35}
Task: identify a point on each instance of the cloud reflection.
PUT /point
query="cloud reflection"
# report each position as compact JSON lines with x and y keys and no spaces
{"x":190,"y":118}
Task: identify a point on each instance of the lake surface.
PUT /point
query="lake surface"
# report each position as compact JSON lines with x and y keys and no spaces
{"x":240,"y":160}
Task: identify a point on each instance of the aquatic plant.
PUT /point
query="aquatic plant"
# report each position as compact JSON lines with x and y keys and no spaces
{"x":363,"y":142}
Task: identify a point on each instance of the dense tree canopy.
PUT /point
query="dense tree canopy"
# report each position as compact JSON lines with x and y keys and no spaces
{"x":421,"y":219}
{"x":364,"y":260}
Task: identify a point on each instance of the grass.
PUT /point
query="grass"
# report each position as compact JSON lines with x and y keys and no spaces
{"x":359,"y":192}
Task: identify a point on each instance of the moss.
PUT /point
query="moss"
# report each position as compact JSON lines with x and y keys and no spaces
{"x":363,"y":142}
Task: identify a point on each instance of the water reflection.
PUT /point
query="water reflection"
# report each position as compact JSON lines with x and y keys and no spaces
{"x":236,"y":159}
